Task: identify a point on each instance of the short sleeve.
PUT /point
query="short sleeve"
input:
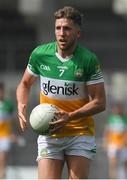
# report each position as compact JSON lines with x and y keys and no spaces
{"x":94,"y":71}
{"x":32,"y":66}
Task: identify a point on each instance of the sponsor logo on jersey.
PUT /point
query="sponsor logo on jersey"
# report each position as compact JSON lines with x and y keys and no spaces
{"x":62,"y":89}
{"x":67,"y":88}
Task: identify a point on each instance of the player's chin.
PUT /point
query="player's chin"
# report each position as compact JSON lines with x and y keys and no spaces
{"x":63,"y":46}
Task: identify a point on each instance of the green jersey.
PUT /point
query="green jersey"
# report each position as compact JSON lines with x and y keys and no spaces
{"x":117,"y":124}
{"x":117,"y":128}
{"x":6,"y":115}
{"x":64,"y":81}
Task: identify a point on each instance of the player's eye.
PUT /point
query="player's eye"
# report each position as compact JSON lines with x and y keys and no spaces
{"x":57,"y":27}
{"x":66,"y":28}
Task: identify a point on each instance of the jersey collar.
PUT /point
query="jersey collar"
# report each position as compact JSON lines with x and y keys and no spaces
{"x":63,"y":59}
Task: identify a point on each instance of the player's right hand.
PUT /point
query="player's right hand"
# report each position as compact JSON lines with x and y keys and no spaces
{"x":62,"y":120}
{"x":22,"y":116}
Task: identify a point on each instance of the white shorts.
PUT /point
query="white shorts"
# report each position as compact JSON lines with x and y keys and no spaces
{"x":5,"y":144}
{"x":57,"y":148}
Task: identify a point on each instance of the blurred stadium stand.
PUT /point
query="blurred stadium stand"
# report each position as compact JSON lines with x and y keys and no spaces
{"x":17,"y":39}
{"x":104,"y":31}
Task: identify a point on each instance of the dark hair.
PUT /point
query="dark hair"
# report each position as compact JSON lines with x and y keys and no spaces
{"x":69,"y":13}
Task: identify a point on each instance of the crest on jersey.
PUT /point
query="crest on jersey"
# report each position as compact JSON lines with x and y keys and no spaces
{"x":79,"y":73}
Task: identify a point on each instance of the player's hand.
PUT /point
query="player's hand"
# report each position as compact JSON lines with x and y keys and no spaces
{"x":62,"y":120}
{"x":22,"y":116}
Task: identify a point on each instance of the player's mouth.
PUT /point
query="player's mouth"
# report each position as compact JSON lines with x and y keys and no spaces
{"x":62,"y":42}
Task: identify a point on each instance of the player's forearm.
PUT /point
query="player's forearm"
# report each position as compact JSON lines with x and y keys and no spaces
{"x":22,"y":94}
{"x":91,"y":108}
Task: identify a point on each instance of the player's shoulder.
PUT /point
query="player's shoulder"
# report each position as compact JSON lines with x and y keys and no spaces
{"x":45,"y":48}
{"x":86,"y":56}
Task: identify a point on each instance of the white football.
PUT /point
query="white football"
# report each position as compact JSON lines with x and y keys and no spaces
{"x":40,"y":117}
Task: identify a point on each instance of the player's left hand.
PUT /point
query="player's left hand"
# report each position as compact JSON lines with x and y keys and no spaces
{"x":62,"y":120}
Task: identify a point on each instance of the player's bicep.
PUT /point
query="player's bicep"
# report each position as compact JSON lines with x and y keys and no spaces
{"x":28,"y":79}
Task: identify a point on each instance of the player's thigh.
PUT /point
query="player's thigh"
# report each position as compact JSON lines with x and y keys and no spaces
{"x":50,"y":168}
{"x":78,"y":167}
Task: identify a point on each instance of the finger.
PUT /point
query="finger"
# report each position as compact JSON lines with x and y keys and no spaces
{"x":22,"y":116}
{"x":59,"y":113}
{"x":55,"y":129}
{"x":22,"y":122}
{"x":22,"y":126}
{"x":57,"y":122}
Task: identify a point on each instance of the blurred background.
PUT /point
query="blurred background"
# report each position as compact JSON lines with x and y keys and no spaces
{"x":24,"y":24}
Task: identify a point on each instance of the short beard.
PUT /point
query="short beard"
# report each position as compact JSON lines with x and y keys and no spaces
{"x":69,"y":47}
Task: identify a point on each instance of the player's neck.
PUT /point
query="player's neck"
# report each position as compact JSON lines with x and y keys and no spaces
{"x":64,"y":54}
